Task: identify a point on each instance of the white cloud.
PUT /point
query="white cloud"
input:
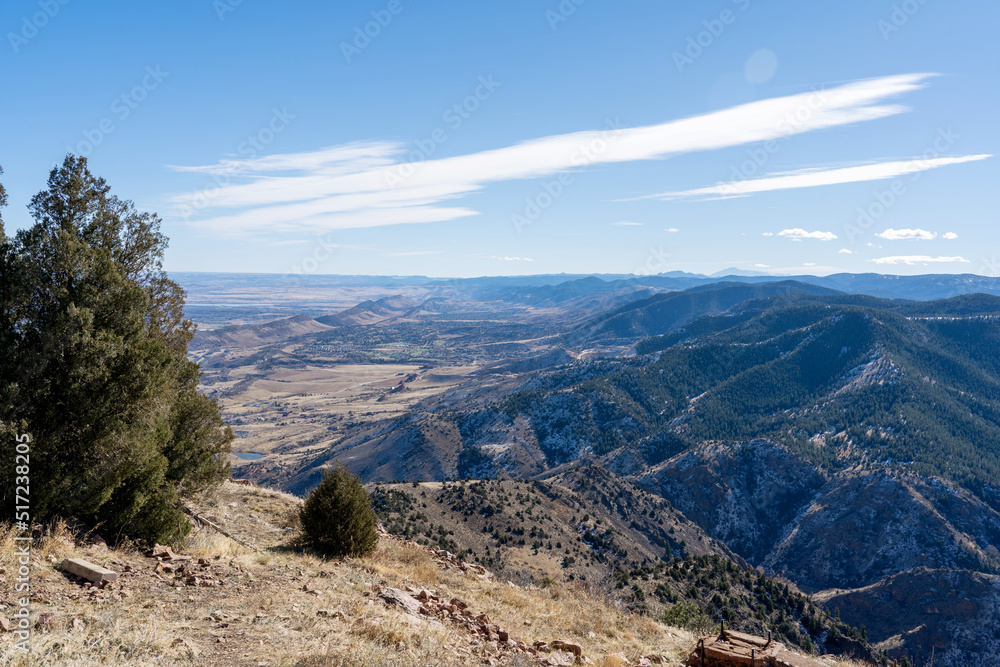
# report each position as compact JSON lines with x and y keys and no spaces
{"x":762,"y":266}
{"x":672,"y":230}
{"x":951,"y":236}
{"x":798,"y":234}
{"x":845,"y":251}
{"x":768,"y":233}
{"x":816,"y":176}
{"x":369,"y":184}
{"x":907,"y":235}
{"x":512,"y":259}
{"x":919,"y":259}
{"x":414,"y":253}
{"x":809,"y":264}
{"x":627,"y":224}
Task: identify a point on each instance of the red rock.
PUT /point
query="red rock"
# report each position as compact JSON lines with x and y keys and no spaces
{"x":561,"y":645}
{"x":160,"y":551}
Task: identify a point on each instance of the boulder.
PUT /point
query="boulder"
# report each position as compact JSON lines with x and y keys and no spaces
{"x":400,"y":599}
{"x":561,"y":645}
{"x":89,"y":571}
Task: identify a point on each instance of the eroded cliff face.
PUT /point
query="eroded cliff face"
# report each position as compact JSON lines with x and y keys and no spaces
{"x":846,"y":530}
{"x":744,"y":494}
{"x":954,"y":612}
{"x":864,"y":526}
{"x":915,"y":559}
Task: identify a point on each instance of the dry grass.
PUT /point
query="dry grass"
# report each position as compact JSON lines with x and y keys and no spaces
{"x":261,"y":616}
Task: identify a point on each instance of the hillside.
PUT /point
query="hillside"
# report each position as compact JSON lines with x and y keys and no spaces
{"x":251,"y":335}
{"x":230,"y":606}
{"x":835,"y":440}
{"x":370,"y":312}
{"x":588,"y":525}
{"x":840,"y":381}
{"x":662,"y":313}
{"x":580,"y":524}
{"x":954,"y":611}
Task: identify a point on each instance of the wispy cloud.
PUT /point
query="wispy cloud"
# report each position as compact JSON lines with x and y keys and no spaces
{"x":672,"y":230}
{"x":845,"y":251}
{"x":512,"y":259}
{"x":369,"y":184}
{"x":912,"y":260}
{"x":625,"y":223}
{"x":414,"y":253}
{"x":290,"y":242}
{"x":799,"y":234}
{"x":907,"y":235}
{"x":817,"y":176}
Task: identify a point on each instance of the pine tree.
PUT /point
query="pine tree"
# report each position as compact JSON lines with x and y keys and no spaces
{"x":95,"y":366}
{"x":337,"y":517}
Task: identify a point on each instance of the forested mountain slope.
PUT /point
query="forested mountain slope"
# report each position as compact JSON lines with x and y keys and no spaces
{"x":836,"y":440}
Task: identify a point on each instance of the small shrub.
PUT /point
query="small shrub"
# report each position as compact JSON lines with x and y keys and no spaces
{"x":337,"y":518}
{"x":687,"y":615}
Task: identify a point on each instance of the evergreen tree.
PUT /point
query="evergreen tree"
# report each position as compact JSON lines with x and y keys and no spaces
{"x":337,"y":517}
{"x":95,"y":366}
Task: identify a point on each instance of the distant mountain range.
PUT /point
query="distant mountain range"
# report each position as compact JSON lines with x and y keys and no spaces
{"x":555,"y":287}
{"x":836,"y":439}
{"x":842,"y":432}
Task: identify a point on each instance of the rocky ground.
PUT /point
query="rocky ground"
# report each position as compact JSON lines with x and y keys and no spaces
{"x":229,"y":605}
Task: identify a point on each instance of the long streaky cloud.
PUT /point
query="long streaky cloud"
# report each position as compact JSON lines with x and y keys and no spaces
{"x":813,"y":177}
{"x":369,"y":184}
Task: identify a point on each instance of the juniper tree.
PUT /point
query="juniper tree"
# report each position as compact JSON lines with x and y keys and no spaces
{"x":337,"y":517}
{"x":95,"y":365}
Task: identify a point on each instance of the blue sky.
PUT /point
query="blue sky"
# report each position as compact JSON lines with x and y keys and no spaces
{"x":489,"y":138}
